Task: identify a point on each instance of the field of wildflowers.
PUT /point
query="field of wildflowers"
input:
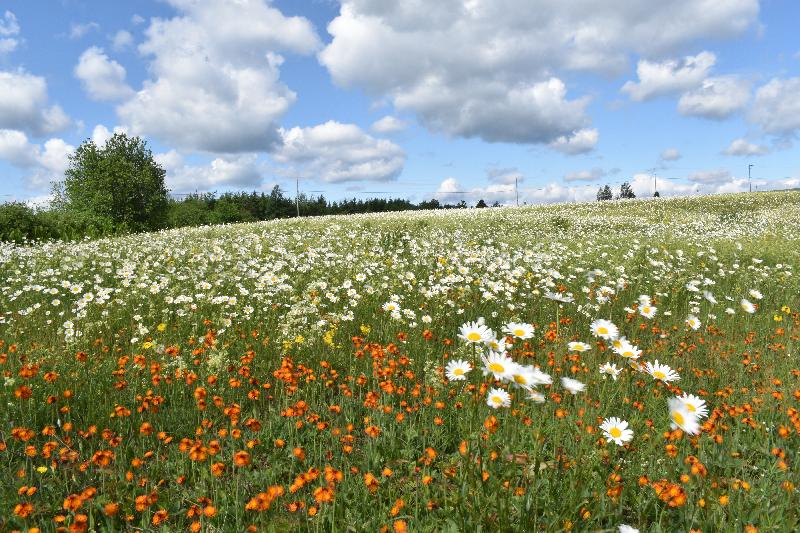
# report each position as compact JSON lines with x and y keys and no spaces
{"x":582,"y":367}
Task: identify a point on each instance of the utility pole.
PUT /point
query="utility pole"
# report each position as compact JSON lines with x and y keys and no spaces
{"x":516,"y":189}
{"x":748,"y":176}
{"x":297,"y":197}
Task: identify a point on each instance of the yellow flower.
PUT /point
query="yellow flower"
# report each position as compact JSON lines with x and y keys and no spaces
{"x":41,"y":469}
{"x":299,"y":339}
{"x":365,"y":329}
{"x":777,"y":318}
{"x":147,"y":345}
{"x":161,"y":327}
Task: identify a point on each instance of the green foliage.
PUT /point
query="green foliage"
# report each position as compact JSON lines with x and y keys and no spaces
{"x":120,"y":183}
{"x":626,"y":191}
{"x":604,"y":193}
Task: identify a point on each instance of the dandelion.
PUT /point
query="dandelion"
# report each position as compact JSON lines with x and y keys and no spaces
{"x":498,"y":398}
{"x":457,"y":370}
{"x":604,"y":329}
{"x":661,"y":372}
{"x":616,"y":429}
{"x":682,"y":417}
{"x":519,"y":330}
{"x":572,"y":385}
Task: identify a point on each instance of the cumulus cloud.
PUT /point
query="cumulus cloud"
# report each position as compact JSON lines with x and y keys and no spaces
{"x":579,"y":142}
{"x":9,"y":30}
{"x":79,"y":30}
{"x":240,"y":170}
{"x":709,"y":177}
{"x":335,"y":153}
{"x":743,"y":147}
{"x":215,"y":76}
{"x":45,"y":162}
{"x":776,"y":107}
{"x":388,"y":124}
{"x":101,"y":134}
{"x":121,"y":40}
{"x":668,"y":77}
{"x":716,"y":98}
{"x":102,"y":78}
{"x":585,"y":175}
{"x":670,"y":154}
{"x":473,"y":69}
{"x":24,"y":105}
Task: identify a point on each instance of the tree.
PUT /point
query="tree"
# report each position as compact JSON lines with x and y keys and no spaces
{"x":626,"y":191}
{"x":656,"y":195}
{"x":120,"y":183}
{"x":481,"y":204}
{"x":604,"y":193}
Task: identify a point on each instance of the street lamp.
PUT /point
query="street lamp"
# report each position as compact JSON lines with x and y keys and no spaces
{"x":748,"y":176}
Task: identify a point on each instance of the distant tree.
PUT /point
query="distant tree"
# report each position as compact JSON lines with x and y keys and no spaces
{"x":656,"y":195}
{"x":604,"y":193}
{"x":481,"y":204}
{"x":496,"y":204}
{"x":626,"y":191}
{"x":461,"y":205}
{"x":120,"y":183}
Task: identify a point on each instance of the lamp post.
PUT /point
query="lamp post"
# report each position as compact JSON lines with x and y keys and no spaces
{"x":748,"y":176}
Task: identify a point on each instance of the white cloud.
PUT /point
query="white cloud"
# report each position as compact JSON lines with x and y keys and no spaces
{"x":743,"y":147}
{"x":45,"y":162}
{"x":9,"y":29}
{"x":215,"y":69}
{"x":102,"y":78}
{"x":716,"y":98}
{"x":137,"y":19}
{"x":24,"y":105}
{"x":670,"y":154}
{"x":585,"y":175}
{"x":121,"y":40}
{"x":579,"y":142}
{"x":667,"y":77}
{"x":77,"y":30}
{"x":710,"y":177}
{"x":388,"y":124}
{"x":335,"y":152}
{"x":101,"y":134}
{"x":240,"y":170}
{"x":776,"y":108}
{"x":504,"y":176}
{"x":472,"y":69}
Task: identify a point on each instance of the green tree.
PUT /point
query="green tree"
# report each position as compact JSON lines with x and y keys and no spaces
{"x":120,"y":183}
{"x":626,"y":191}
{"x":481,"y":204}
{"x":604,"y":193}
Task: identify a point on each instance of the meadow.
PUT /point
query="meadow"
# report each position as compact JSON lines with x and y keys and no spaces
{"x":583,"y":367}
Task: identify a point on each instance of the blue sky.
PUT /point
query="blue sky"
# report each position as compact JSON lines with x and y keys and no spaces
{"x":414,"y":99}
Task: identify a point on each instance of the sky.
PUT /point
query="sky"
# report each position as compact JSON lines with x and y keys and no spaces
{"x":455,"y":99}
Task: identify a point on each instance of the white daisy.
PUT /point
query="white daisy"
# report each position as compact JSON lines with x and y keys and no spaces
{"x":573,"y":385}
{"x":755,"y":294}
{"x":609,"y":369}
{"x":747,"y":306}
{"x":695,"y":404}
{"x":661,"y":372}
{"x":457,"y":370}
{"x":626,"y":349}
{"x":682,"y":417}
{"x":578,"y":347}
{"x":604,"y":329}
{"x":616,"y":429}
{"x":648,"y":311}
{"x":523,"y":377}
{"x":536,"y":396}
{"x":498,"y":398}
{"x":519,"y":330}
{"x":475,"y":332}
{"x":693,"y":322}
{"x":499,"y":365}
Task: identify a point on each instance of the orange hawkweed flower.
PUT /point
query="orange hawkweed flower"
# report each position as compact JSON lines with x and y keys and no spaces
{"x":241,"y":458}
{"x":371,"y":482}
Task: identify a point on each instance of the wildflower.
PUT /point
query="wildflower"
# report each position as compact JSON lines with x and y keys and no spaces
{"x":695,"y":405}
{"x":693,"y":322}
{"x":747,"y":306}
{"x":390,"y":307}
{"x":626,"y":349}
{"x":617,"y":430}
{"x":578,"y":347}
{"x":682,"y":417}
{"x":475,"y":332}
{"x":519,"y":330}
{"x":625,"y":528}
{"x":648,"y":311}
{"x":499,"y":365}
{"x":498,"y":398}
{"x":661,"y":372}
{"x":572,"y":385}
{"x":756,"y":295}
{"x":536,"y":396}
{"x":457,"y":370}
{"x":610,"y":369}
{"x":524,"y":377}
{"x":604,"y":329}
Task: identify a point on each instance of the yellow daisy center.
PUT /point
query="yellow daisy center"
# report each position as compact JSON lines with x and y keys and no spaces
{"x":627,"y":354}
{"x":519,"y":332}
{"x":658,"y":374}
{"x":474,"y":336}
{"x":615,"y":432}
{"x":646,"y":309}
{"x":458,"y":371}
{"x":678,"y":418}
{"x":497,"y":399}
{"x":496,"y":367}
{"x":520,"y":379}
{"x":602,"y":330}
{"x":690,"y":407}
